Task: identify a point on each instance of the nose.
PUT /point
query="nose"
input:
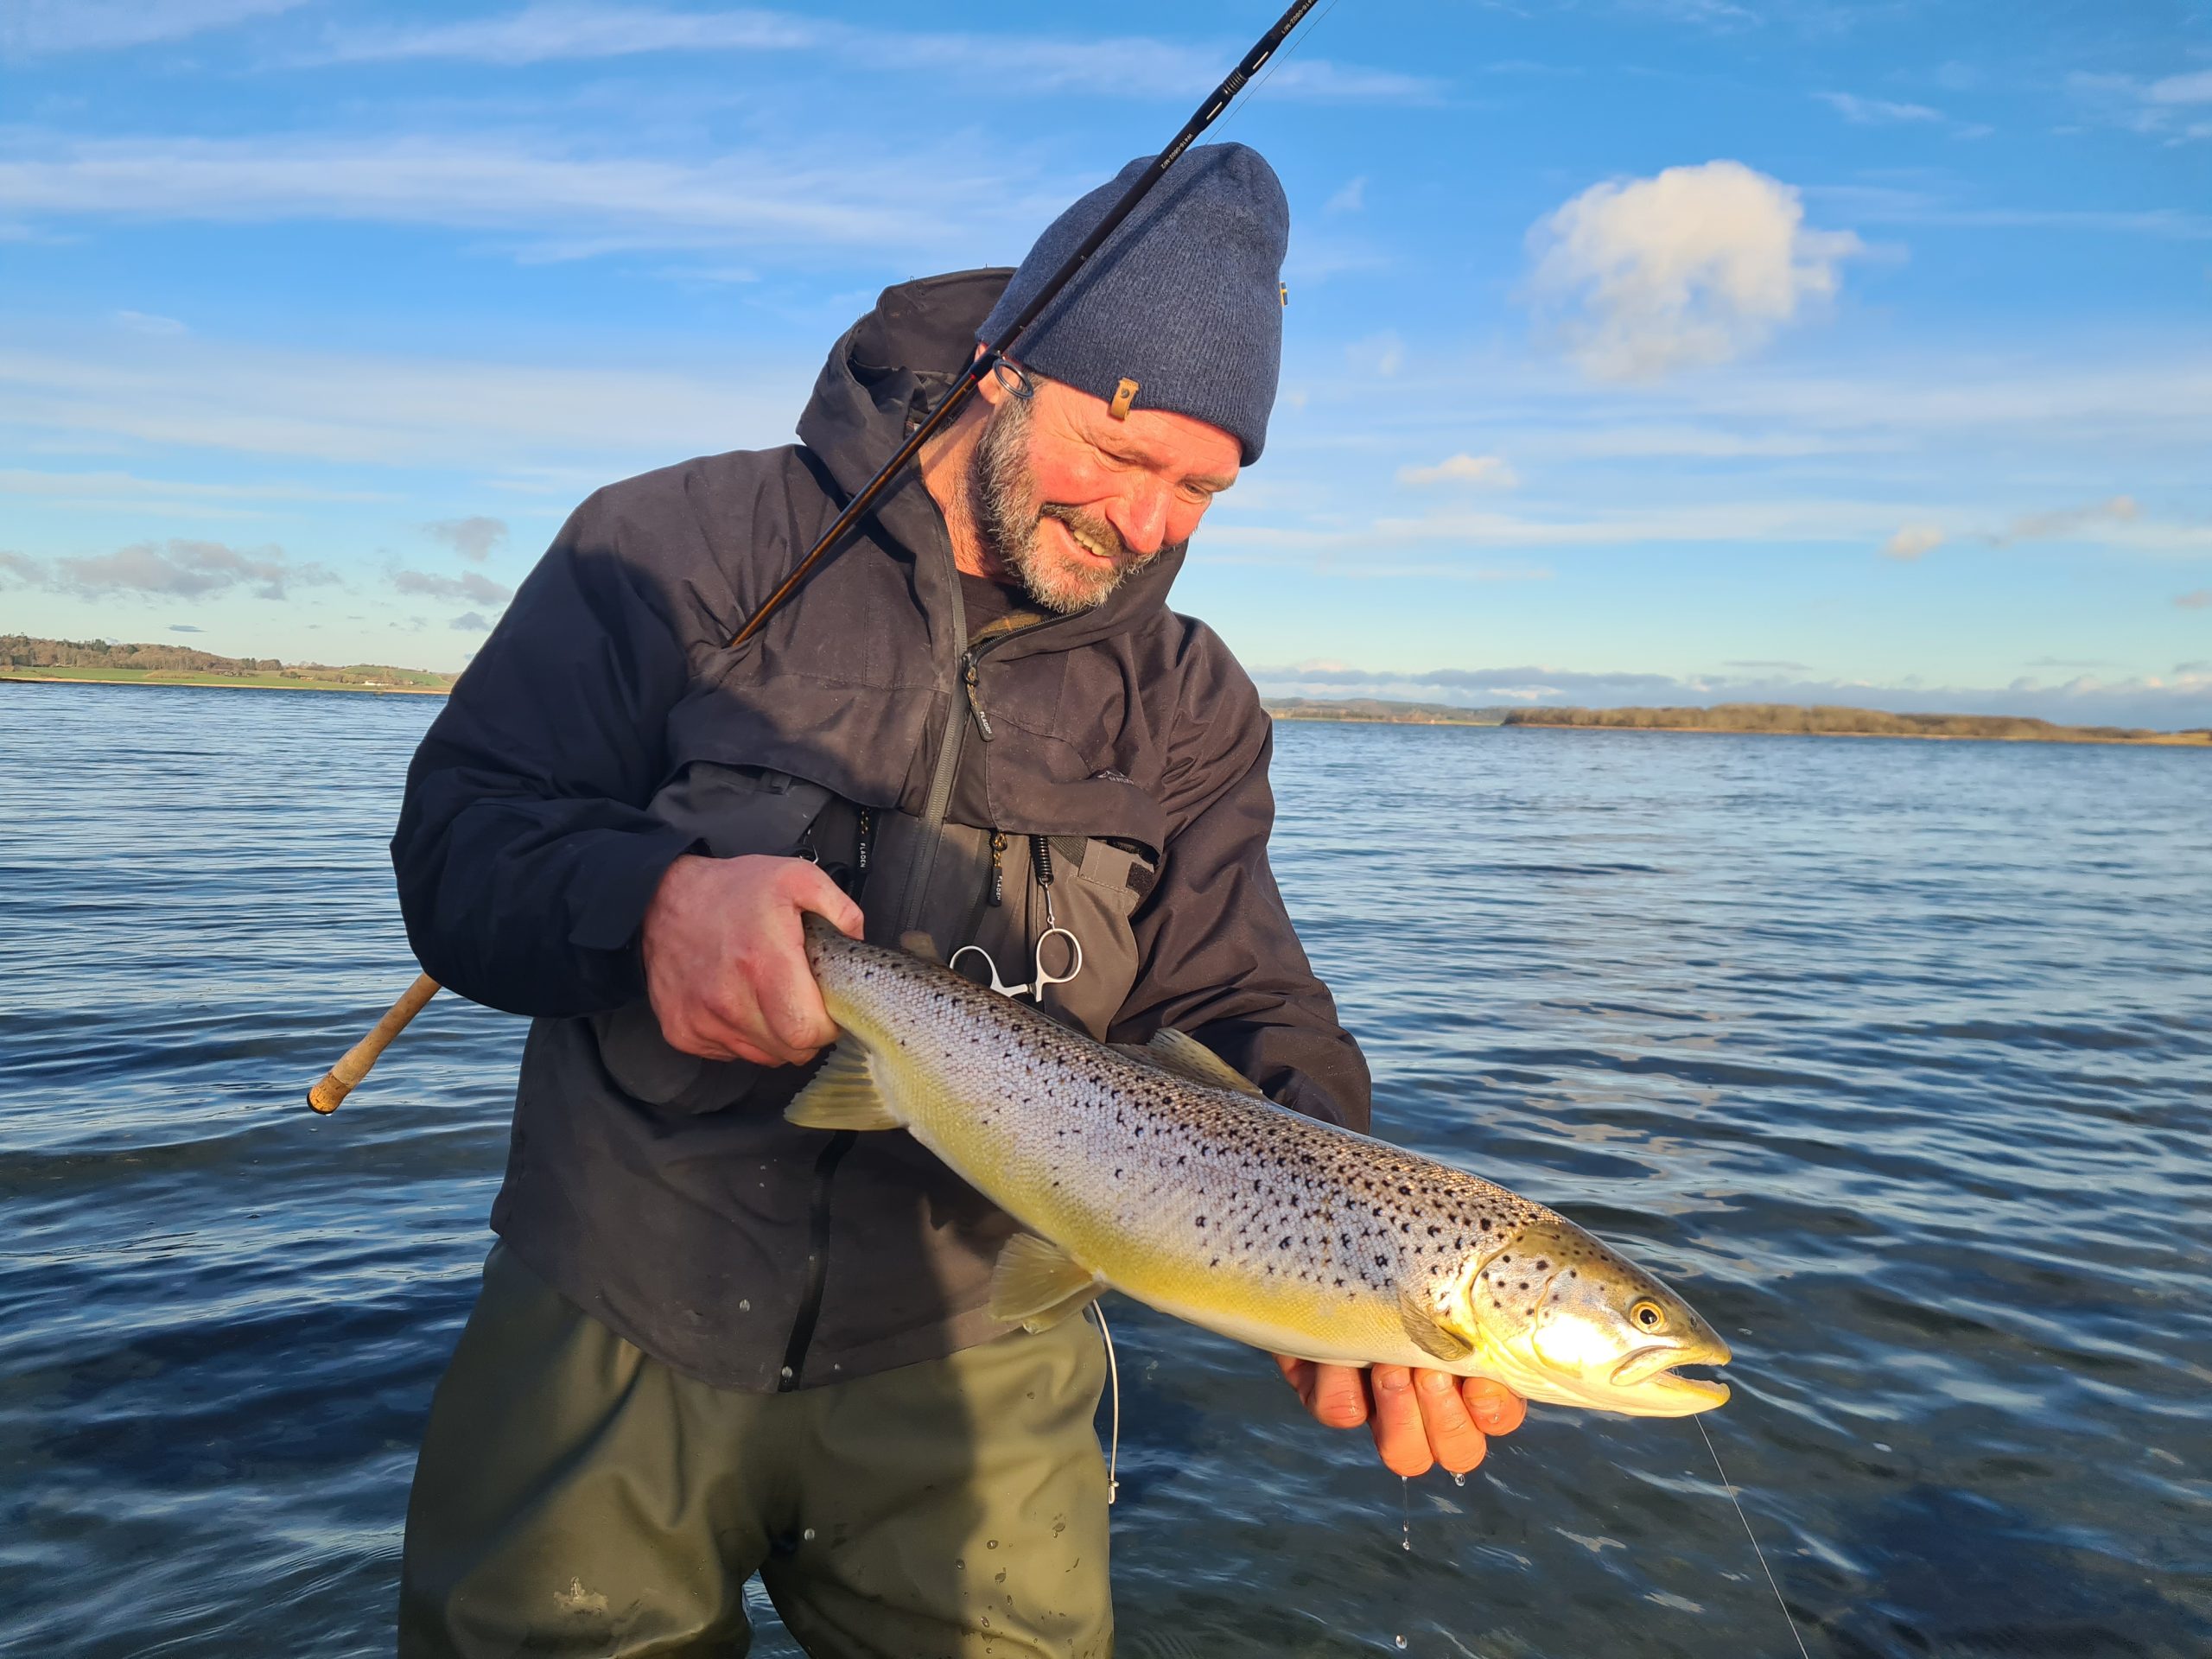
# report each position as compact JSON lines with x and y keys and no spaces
{"x":1139,"y":516}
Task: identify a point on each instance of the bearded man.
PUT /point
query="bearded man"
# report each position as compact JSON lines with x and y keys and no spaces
{"x":709,"y":1344}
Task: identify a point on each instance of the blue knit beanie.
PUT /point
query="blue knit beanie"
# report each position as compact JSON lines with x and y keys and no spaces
{"x":1184,"y":301}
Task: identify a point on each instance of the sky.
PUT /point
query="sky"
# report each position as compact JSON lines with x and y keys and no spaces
{"x":1636,"y":351}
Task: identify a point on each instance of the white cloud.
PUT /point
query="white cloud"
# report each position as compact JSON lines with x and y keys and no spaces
{"x":2164,"y":109}
{"x":921,"y":200}
{"x":473,"y":538}
{"x":1872,"y":204}
{"x":29,"y":28}
{"x":1125,"y":66}
{"x":473,"y":586}
{"x":174,"y":569}
{"x":1912,"y":542}
{"x":1488,"y":470}
{"x":470,"y":622}
{"x":1697,"y":265}
{"x":144,"y":322}
{"x":203,"y":393}
{"x":1877,"y":112}
{"x":2063,"y":524}
{"x":2196,"y":600}
{"x":107,"y":489}
{"x":2194,"y":88}
{"x":1350,"y":200}
{"x":1383,"y":354}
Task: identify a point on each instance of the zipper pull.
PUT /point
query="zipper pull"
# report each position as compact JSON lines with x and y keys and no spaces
{"x":976,"y":696}
{"x":1040,"y":861}
{"x":998,"y":866}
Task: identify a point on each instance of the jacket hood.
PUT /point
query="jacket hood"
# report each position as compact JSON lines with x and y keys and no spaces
{"x":881,"y":379}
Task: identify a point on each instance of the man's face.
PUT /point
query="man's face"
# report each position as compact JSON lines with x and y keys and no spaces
{"x":1069,"y":502}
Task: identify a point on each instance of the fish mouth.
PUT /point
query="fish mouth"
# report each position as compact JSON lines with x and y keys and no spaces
{"x":1650,"y":1373}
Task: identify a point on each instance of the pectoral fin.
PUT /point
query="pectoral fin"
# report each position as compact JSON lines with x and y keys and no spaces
{"x":844,"y":1094}
{"x":1192,"y":1060}
{"x":1427,"y":1334}
{"x":1036,"y":1284}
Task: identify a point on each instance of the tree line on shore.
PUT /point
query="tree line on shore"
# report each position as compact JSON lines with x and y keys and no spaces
{"x":22,"y":651}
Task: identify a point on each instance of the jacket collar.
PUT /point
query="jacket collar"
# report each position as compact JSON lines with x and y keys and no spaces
{"x":882,"y":376}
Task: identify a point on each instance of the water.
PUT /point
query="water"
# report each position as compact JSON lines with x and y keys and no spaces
{"x":1894,"y":1056}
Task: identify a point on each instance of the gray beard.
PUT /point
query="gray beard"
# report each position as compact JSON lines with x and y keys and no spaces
{"x":1003,"y":503}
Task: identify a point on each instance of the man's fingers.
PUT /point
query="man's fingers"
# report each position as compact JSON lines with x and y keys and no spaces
{"x":1453,"y":1435}
{"x":790,"y":1010}
{"x":814,"y":891}
{"x":1399,"y":1434}
{"x":1495,"y":1407}
{"x":1339,"y":1396}
{"x":1335,"y":1395}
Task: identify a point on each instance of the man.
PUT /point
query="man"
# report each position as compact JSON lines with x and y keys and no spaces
{"x":708,"y":1342}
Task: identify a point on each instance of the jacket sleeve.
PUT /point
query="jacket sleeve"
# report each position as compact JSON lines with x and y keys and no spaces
{"x":524,"y":857}
{"x":1222,"y":961}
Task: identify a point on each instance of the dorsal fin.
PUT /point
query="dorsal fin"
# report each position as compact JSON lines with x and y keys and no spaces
{"x":1186,"y":1057}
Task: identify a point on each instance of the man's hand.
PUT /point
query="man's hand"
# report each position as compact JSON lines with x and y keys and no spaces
{"x":725,"y":962}
{"x":1419,"y":1418}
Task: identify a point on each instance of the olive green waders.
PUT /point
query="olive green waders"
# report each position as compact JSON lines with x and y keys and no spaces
{"x":576,"y":1496}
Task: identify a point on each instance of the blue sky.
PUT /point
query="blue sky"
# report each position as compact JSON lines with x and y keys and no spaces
{"x":1638,"y":350}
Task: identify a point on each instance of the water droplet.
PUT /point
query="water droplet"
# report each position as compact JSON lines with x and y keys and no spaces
{"x":990,"y":1544}
{"x":745,"y":1305}
{"x":807,"y":1537}
{"x":1400,"y":1640}
{"x":1459,"y":1480}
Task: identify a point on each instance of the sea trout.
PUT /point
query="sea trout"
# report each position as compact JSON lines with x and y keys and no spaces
{"x":1161,"y":1173}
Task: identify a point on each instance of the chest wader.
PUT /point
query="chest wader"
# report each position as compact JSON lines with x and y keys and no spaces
{"x":576,"y":1497}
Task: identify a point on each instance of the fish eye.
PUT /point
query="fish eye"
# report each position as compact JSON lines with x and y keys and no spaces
{"x":1649,"y":1314}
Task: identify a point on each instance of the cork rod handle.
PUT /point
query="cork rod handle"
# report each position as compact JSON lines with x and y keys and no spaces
{"x":338,"y":1081}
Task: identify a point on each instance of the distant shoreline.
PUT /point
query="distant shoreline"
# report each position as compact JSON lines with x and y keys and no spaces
{"x":1762,"y":720}
{"x":1755,"y":720}
{"x":215,"y":681}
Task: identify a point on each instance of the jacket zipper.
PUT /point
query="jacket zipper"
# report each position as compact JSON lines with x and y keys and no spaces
{"x":942,"y":779}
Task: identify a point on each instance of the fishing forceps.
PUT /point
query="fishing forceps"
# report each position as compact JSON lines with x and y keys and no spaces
{"x":1043,"y":979}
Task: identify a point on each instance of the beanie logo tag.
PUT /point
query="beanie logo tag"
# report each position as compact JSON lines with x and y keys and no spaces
{"x":1124,"y":395}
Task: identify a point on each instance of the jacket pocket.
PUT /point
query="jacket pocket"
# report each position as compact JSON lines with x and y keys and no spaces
{"x":730,"y":811}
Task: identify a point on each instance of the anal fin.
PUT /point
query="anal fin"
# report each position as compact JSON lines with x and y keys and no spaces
{"x":1036,"y":1284}
{"x":844,"y":1094}
{"x":1427,"y":1334}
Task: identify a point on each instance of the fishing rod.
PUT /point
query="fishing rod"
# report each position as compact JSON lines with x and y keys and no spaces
{"x":339,"y":1081}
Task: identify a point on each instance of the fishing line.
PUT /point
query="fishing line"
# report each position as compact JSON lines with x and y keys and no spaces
{"x":1727,"y":1486}
{"x":1114,"y":1371}
{"x":1274,"y":64}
